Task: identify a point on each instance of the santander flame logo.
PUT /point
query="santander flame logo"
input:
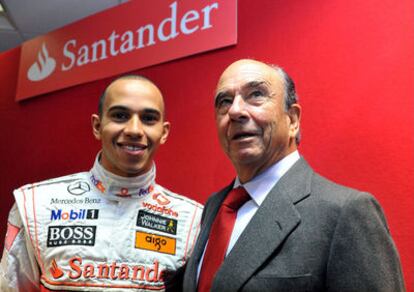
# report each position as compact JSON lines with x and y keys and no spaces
{"x":43,"y":67}
{"x":55,"y":270}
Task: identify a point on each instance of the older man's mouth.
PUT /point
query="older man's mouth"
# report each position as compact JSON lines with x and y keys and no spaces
{"x":243,"y":135}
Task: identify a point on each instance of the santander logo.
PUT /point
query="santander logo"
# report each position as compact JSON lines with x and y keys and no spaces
{"x":140,"y":34}
{"x":43,"y":67}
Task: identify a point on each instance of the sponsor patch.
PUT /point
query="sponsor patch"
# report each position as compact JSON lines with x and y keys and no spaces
{"x":98,"y":184}
{"x":156,"y":222}
{"x":78,"y":188}
{"x":71,"y":235}
{"x":74,"y":201}
{"x":84,"y":270}
{"x":160,"y":209}
{"x":154,"y":242}
{"x":161,"y":199}
{"x":124,"y":193}
{"x":55,"y":270}
{"x":73,"y":215}
{"x":11,"y":235}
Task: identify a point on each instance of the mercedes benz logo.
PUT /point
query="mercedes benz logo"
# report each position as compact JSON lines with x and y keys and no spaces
{"x":78,"y":188}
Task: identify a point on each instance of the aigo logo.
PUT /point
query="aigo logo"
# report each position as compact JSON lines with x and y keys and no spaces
{"x":42,"y":67}
{"x":155,"y":242}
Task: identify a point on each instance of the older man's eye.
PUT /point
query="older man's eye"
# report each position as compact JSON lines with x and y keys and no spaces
{"x":256,"y":93}
{"x":256,"y":97}
{"x":224,"y":101}
{"x":223,"y":104}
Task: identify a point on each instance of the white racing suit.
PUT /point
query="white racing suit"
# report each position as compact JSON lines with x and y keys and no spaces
{"x":94,"y":231}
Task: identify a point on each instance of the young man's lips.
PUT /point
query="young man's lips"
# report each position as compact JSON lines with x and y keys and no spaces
{"x":132,"y":147}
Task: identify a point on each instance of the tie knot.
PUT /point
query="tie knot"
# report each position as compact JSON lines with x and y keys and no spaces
{"x":236,"y":198}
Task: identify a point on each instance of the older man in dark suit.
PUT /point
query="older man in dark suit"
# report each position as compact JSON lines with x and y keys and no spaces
{"x":280,"y":226}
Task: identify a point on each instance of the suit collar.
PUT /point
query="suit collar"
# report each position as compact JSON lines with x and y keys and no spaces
{"x":273,"y":222}
{"x":261,"y":185}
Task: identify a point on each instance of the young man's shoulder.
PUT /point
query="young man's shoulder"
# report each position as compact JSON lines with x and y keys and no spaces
{"x":76,"y":178}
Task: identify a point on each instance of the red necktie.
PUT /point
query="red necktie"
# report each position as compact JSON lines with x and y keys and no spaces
{"x":220,"y":236}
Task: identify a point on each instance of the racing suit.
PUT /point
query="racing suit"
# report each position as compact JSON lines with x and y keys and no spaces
{"x":96,"y":231}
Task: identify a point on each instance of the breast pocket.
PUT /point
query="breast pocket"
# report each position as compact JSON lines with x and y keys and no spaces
{"x":267,"y":282}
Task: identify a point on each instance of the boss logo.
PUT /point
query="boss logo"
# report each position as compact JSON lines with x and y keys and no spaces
{"x":71,"y":235}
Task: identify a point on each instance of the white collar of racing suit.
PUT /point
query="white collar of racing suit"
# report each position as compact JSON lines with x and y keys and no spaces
{"x":116,"y":188}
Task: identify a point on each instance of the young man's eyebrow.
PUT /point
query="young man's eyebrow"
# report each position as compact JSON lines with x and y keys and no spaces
{"x":151,"y":111}
{"x":117,"y":107}
{"x":124,"y":108}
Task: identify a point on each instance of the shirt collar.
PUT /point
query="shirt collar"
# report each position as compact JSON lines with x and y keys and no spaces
{"x":115,"y":187}
{"x":262,"y":184}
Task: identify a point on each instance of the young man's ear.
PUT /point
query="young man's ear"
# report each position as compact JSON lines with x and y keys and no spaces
{"x":96,"y":126}
{"x":166,"y":130}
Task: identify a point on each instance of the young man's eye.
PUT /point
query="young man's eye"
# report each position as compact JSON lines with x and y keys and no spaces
{"x":149,"y":119}
{"x":119,"y":116}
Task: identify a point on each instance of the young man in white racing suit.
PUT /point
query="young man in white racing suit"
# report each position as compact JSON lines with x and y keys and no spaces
{"x":112,"y":228}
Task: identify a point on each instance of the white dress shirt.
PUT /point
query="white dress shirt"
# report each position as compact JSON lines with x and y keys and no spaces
{"x":257,"y":188}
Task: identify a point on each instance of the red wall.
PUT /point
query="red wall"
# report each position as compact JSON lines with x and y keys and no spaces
{"x":352,"y":62}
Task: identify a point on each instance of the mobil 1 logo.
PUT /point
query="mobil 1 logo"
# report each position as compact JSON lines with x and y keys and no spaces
{"x":156,"y":222}
{"x":71,"y":235}
{"x":73,"y":215}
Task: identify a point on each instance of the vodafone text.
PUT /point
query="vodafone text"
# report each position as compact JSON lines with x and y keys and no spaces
{"x":160,"y":209}
{"x":146,"y":35}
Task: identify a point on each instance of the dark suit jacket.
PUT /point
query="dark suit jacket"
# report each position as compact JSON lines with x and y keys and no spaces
{"x":309,"y":234}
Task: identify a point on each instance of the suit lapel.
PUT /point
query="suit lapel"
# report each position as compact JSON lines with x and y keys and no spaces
{"x":273,"y":222}
{"x":212,"y":205}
